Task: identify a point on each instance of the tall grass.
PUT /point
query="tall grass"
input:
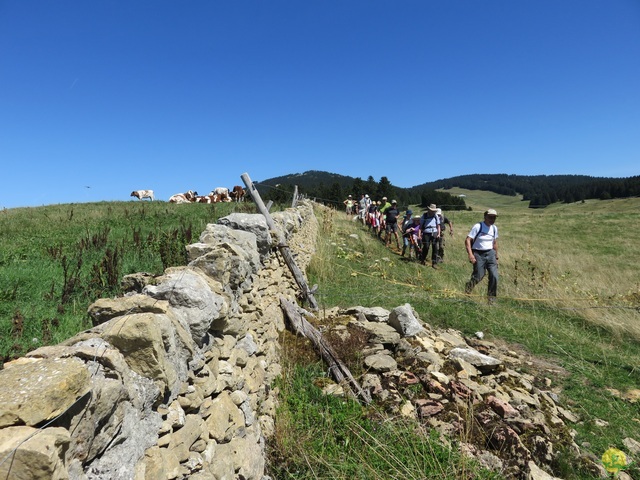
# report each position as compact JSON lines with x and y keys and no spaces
{"x":322,"y":436}
{"x":568,"y":300}
{"x":55,"y":260}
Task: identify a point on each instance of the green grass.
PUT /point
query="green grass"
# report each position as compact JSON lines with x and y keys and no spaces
{"x":327,"y":437}
{"x":55,"y":260}
{"x":569,"y":294}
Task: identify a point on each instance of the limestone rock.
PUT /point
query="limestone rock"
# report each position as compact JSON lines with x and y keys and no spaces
{"x":227,"y":263}
{"x":381,"y":332}
{"x":182,"y":439}
{"x":193,"y":302}
{"x":288,"y":220}
{"x":372,"y":314}
{"x":38,"y":455}
{"x":632,"y":445}
{"x":404,"y":320}
{"x":482,"y":362}
{"x":254,"y":223}
{"x":225,"y":418}
{"x":139,"y":337}
{"x":536,"y":473}
{"x":105,"y":309}
{"x":381,"y":362}
{"x":247,"y":457}
{"x":452,"y":338}
{"x":41,"y":389}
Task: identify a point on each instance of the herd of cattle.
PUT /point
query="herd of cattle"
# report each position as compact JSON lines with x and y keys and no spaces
{"x":220,"y":194}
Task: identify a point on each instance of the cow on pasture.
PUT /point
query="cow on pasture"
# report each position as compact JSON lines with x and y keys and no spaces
{"x":220,"y":194}
{"x":140,"y":194}
{"x":237,"y":193}
{"x":187,"y":197}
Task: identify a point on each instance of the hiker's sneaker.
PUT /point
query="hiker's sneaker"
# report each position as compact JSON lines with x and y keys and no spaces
{"x":434,"y":266}
{"x":491,"y":300}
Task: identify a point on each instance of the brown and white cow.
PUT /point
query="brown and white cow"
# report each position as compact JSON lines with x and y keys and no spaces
{"x":140,"y":194}
{"x":205,"y":199}
{"x":178,"y":198}
{"x":187,"y":197}
{"x":220,"y":194}
{"x":237,"y":193}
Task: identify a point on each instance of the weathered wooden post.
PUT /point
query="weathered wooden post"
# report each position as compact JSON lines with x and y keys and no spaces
{"x":282,"y":245}
{"x":338,"y":369}
{"x":295,"y":197}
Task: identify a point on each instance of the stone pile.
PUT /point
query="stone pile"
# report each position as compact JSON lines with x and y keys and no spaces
{"x":173,"y":380}
{"x":489,"y":401}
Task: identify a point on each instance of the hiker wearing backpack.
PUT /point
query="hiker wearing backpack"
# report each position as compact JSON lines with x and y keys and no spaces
{"x":391,"y":223}
{"x":430,"y":227}
{"x":482,"y":248}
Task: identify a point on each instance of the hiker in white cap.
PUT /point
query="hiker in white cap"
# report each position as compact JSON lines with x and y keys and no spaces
{"x":482,"y":249}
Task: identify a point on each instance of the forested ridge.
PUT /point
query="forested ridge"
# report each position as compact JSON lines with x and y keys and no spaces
{"x":543,"y":190}
{"x":538,"y":190}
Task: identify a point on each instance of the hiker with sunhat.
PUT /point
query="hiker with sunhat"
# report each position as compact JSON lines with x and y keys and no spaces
{"x":430,"y":227}
{"x":482,"y":249}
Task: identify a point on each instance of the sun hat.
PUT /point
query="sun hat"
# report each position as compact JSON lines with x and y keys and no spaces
{"x":433,"y":207}
{"x":366,"y":195}
{"x":393,"y":201}
{"x":416,"y":217}
{"x":349,"y":196}
{"x":491,"y":211}
{"x":384,"y":198}
{"x":439,"y":211}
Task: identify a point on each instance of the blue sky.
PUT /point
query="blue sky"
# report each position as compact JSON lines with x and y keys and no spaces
{"x":99,"y":98}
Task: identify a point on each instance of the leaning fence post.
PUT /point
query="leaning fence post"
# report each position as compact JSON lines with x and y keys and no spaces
{"x":282,"y":245}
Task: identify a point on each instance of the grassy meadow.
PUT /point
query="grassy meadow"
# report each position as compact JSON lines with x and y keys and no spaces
{"x":56,"y":260}
{"x":568,"y":300}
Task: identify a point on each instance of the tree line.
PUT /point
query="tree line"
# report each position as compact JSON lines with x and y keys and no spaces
{"x":335,"y":192}
{"x":538,"y":190}
{"x":543,"y":190}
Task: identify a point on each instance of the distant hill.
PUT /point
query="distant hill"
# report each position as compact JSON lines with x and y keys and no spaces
{"x":307,"y":179}
{"x":539,"y":190}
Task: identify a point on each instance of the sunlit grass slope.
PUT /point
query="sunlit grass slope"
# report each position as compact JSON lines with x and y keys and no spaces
{"x":569,"y":294}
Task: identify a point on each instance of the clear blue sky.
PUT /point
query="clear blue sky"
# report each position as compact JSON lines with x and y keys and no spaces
{"x":99,"y":98}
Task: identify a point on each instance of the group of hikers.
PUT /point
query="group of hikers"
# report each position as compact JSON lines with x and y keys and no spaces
{"x":421,"y":234}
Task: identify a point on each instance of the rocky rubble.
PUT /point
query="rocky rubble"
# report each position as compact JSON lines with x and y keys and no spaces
{"x":480,"y":396}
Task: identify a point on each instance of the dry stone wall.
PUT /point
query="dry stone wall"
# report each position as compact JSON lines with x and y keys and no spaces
{"x":173,"y":381}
